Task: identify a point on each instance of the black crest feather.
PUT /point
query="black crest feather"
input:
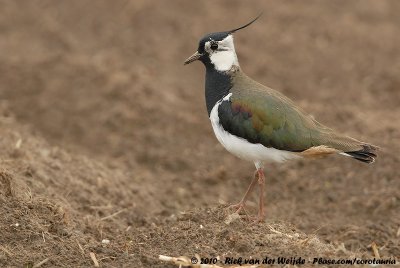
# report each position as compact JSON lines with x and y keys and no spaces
{"x":246,"y":25}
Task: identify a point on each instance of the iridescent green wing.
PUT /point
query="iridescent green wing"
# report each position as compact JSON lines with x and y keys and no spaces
{"x":268,"y":119}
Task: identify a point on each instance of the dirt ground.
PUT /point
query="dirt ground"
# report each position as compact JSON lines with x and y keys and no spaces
{"x":104,"y":133}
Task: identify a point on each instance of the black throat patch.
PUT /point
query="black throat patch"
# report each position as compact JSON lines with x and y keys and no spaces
{"x":218,"y":85}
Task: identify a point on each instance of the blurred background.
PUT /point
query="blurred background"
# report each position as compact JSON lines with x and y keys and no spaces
{"x":110,"y":120}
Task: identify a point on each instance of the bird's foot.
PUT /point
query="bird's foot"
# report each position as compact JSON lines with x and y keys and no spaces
{"x":240,"y":207}
{"x":257,"y":219}
{"x":237,"y":208}
{"x":253,"y":219}
{"x":260,"y":217}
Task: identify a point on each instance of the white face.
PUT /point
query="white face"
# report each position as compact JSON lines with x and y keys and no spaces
{"x":224,"y":57}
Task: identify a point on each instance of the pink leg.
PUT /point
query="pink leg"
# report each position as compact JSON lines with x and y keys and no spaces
{"x":240,"y":206}
{"x":261,"y":182}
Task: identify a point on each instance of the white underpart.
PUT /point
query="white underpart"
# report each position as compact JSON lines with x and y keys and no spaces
{"x":224,"y":59}
{"x":241,"y":148}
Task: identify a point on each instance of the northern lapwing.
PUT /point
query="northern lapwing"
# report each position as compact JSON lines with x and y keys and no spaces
{"x":259,"y":124}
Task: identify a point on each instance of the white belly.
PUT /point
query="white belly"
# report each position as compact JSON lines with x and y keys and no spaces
{"x":240,"y":147}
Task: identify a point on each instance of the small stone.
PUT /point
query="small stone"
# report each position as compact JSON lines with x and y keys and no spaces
{"x":232,"y":218}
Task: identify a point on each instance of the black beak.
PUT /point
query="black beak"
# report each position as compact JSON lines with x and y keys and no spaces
{"x":193,"y":58}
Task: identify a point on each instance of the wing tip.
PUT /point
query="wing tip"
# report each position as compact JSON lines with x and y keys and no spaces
{"x":367,"y":154}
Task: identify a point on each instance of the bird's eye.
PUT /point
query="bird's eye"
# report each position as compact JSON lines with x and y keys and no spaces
{"x":214,"y":46}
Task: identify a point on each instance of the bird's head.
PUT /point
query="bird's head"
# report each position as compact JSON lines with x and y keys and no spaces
{"x":218,"y":50}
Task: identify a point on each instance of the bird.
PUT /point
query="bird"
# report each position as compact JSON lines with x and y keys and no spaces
{"x":259,"y":124}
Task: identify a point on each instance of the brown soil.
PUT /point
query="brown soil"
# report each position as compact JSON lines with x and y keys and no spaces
{"x":104,"y":133}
